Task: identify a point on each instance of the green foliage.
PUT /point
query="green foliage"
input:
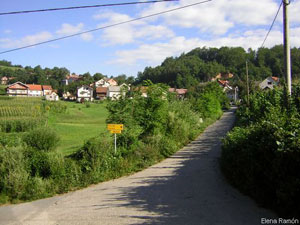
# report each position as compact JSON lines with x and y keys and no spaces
{"x":262,"y":156}
{"x":202,"y":64}
{"x":155,"y":128}
{"x":13,"y":174}
{"x":44,"y":139}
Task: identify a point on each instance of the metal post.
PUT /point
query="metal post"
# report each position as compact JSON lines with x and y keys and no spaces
{"x":115,"y":143}
{"x":248,"y":91}
{"x":286,"y":44}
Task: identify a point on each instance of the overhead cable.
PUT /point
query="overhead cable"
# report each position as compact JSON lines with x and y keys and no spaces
{"x":108,"y":26}
{"x":84,"y":7}
{"x":272,"y":25}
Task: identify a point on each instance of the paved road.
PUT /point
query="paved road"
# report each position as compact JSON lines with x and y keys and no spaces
{"x":186,"y":189}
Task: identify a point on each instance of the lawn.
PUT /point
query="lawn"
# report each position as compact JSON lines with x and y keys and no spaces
{"x":78,"y":124}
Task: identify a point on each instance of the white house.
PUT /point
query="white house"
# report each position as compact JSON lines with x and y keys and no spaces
{"x":35,"y":90}
{"x":106,"y":82}
{"x":269,"y":83}
{"x":114,"y":92}
{"x":70,"y":78}
{"x":102,"y":83}
{"x":84,"y":93}
{"x":52,"y":97}
{"x":47,"y":90}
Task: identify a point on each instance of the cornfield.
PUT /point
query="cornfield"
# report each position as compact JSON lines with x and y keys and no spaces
{"x":21,"y":114}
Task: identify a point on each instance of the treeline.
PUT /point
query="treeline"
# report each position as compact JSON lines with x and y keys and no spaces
{"x":261,"y":155}
{"x":202,"y":64}
{"x":53,"y":77}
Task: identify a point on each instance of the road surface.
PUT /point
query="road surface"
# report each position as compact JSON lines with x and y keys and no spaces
{"x":185,"y":189}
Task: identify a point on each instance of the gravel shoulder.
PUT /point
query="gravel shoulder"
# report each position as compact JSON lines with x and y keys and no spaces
{"x":185,"y":189}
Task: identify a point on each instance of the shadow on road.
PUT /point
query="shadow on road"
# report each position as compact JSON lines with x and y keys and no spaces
{"x":196,"y":192}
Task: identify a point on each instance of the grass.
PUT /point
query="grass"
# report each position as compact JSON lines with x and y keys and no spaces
{"x":78,"y":124}
{"x":2,"y":89}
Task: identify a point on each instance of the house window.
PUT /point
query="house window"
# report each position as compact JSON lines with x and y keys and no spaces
{"x":269,"y":83}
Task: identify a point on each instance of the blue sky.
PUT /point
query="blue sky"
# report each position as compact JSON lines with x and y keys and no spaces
{"x":131,"y":47}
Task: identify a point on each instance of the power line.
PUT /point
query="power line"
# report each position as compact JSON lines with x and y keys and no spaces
{"x":105,"y":27}
{"x":271,"y":25}
{"x":83,"y":7}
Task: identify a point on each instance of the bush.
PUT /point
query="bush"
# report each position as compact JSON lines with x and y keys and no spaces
{"x":262,"y":157}
{"x":43,"y":138}
{"x":13,"y":174}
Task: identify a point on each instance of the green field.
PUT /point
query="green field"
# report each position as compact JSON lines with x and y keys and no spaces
{"x":74,"y":125}
{"x":78,"y":124}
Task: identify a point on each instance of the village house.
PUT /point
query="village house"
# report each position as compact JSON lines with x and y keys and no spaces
{"x":114,"y":92}
{"x":101,"y":93}
{"x":68,"y":96}
{"x":5,"y":80}
{"x":180,"y":93}
{"x":224,"y":84}
{"x":221,"y":76}
{"x":84,"y":93}
{"x":71,"y":78}
{"x":105,"y":82}
{"x":35,"y":90}
{"x":269,"y":83}
{"x":19,"y":89}
{"x":47,"y":90}
{"x":52,"y":97}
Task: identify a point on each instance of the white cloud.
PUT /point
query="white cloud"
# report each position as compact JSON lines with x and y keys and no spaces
{"x":218,"y":16}
{"x":129,"y":32}
{"x":294,"y":9}
{"x":87,"y":36}
{"x":68,"y":29}
{"x":154,"y":54}
{"x":27,"y":40}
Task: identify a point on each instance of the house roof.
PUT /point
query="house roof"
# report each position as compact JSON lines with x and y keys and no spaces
{"x":18,"y":85}
{"x":114,"y":88}
{"x":47,"y":87}
{"x":172,"y":89}
{"x":181,"y":91}
{"x":276,"y":79}
{"x":101,"y":90}
{"x":223,"y":82}
{"x":34,"y":87}
{"x":85,"y":86}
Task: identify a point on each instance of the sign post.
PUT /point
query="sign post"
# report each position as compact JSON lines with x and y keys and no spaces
{"x":115,"y":129}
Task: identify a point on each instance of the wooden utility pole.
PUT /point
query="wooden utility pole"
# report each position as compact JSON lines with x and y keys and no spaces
{"x":248,"y":91}
{"x":286,"y":44}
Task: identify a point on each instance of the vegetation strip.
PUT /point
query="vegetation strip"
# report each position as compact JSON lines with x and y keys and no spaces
{"x":261,"y":155}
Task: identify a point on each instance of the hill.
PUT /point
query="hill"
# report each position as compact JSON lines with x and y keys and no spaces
{"x":202,"y":64}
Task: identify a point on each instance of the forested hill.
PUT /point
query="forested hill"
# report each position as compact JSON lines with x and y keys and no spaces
{"x":201,"y":64}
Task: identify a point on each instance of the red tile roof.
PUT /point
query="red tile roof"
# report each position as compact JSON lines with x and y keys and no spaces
{"x":276,"y":79}
{"x":34,"y":87}
{"x":18,"y":85}
{"x":47,"y":87}
{"x":101,"y":90}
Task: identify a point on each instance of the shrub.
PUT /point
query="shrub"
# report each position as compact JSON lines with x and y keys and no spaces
{"x":262,"y":157}
{"x":43,"y":138}
{"x":13,"y":174}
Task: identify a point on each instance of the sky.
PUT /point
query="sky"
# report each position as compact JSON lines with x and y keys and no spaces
{"x":129,"y":48}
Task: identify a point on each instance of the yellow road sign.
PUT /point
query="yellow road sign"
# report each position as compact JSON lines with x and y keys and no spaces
{"x":115,"y":126}
{"x":115,"y":131}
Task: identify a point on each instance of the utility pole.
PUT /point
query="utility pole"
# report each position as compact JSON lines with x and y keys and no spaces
{"x":286,"y":45}
{"x":248,"y":91}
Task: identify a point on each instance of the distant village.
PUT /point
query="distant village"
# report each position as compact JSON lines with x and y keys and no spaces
{"x":108,"y":88}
